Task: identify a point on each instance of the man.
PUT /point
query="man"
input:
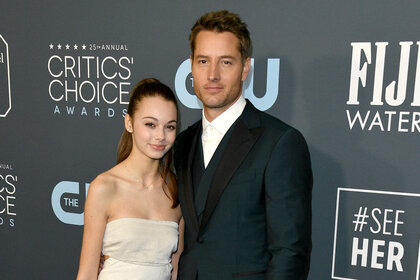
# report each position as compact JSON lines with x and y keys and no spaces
{"x":244,"y":177}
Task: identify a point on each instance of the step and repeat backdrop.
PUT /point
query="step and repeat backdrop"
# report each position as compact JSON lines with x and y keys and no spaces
{"x":345,"y":73}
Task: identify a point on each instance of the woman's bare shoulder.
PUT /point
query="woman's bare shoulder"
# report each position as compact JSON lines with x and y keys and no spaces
{"x":104,"y":185}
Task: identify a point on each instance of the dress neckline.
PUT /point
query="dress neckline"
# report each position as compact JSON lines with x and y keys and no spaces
{"x":144,"y":220}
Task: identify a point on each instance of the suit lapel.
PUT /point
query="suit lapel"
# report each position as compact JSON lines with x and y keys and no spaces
{"x":240,"y":143}
{"x":185,"y":185}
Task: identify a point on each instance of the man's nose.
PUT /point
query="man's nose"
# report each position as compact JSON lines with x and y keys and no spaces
{"x":214,"y":72}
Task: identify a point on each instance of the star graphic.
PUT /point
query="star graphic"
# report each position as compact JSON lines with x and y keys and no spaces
{"x":59,"y":46}
{"x":75,"y":46}
{"x":51,"y":46}
{"x":83,"y":47}
{"x":67,"y":46}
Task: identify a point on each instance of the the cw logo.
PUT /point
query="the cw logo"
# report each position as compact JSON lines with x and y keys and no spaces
{"x":67,"y":196}
{"x":262,"y":103}
{"x":5,"y":93}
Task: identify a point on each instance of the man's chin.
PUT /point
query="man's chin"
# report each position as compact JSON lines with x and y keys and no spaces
{"x":213,"y":103}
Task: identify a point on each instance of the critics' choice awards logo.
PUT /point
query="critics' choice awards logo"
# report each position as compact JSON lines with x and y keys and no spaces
{"x":5,"y":92}
{"x":89,"y":79}
{"x":387,"y":102}
{"x":67,"y":201}
{"x":8,"y":183}
{"x":184,"y":86}
{"x":376,"y":235}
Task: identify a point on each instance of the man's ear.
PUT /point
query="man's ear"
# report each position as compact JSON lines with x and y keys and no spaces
{"x":246,"y":68}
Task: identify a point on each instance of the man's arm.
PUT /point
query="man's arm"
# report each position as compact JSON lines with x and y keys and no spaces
{"x":177,"y":254}
{"x":288,"y":186}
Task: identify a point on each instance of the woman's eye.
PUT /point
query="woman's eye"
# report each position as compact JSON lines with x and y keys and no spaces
{"x":171,"y":127}
{"x":150,"y":124}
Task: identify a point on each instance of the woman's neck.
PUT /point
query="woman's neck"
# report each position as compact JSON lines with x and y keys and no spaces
{"x":142,"y":170}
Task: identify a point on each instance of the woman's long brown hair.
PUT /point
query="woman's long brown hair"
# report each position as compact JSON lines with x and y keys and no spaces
{"x":150,"y":88}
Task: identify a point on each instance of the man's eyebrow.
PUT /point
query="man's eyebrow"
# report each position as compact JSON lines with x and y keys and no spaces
{"x":198,"y":56}
{"x":201,"y":56}
{"x":228,"y":56}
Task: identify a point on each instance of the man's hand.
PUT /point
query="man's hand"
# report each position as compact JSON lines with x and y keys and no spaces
{"x":101,"y":263}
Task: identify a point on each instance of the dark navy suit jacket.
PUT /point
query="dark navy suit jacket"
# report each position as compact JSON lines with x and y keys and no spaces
{"x":256,"y":223}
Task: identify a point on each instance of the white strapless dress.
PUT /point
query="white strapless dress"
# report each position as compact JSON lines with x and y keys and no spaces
{"x":139,"y":249}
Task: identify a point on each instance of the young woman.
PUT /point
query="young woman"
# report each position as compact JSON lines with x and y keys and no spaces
{"x":132,"y":212}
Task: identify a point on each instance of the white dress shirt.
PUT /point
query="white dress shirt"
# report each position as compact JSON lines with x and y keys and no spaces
{"x":214,"y":131}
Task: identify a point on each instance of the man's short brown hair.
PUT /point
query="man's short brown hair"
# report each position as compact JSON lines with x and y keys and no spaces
{"x":222,"y":21}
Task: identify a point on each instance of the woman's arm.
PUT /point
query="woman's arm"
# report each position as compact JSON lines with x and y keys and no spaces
{"x":177,"y":254}
{"x":95,"y":217}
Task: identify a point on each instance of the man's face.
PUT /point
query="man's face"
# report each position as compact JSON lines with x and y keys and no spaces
{"x":218,"y":71}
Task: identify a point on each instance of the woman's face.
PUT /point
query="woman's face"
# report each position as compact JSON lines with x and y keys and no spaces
{"x":153,"y":127}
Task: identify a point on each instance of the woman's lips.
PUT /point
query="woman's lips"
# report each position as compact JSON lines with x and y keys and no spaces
{"x":158,"y":147}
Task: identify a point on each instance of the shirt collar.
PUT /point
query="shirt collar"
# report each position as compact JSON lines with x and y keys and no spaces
{"x":225,"y":120}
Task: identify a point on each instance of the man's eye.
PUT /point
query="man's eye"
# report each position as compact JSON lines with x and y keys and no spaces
{"x":202,"y":61}
{"x":227,"y":62}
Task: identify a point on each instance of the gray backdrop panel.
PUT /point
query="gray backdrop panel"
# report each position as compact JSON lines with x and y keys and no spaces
{"x":43,"y":144}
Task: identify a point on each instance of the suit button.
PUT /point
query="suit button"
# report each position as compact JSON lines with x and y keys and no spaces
{"x":200,"y":240}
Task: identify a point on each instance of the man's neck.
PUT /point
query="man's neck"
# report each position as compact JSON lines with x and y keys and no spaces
{"x":212,"y":113}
